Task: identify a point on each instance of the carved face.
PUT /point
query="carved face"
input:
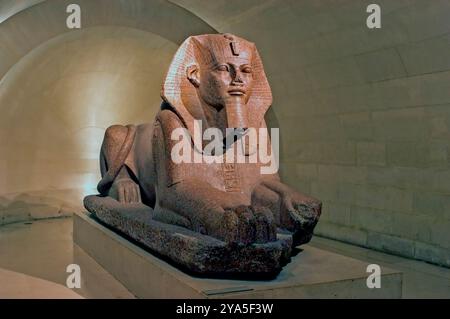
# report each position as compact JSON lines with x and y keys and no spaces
{"x":195,"y":83}
{"x":223,"y":70}
{"x":227,"y":78}
{"x":228,"y":87}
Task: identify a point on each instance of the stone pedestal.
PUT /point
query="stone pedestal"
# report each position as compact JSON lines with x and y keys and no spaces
{"x":198,"y":254}
{"x":312,"y":273}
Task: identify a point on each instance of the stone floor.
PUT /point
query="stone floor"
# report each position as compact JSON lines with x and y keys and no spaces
{"x":16,"y":285}
{"x":420,"y":279}
{"x":43,"y":249}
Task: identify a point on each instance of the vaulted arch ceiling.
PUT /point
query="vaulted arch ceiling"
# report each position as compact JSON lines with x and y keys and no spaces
{"x":26,"y":24}
{"x":60,"y":89}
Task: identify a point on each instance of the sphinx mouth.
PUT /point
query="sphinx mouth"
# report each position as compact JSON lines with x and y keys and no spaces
{"x":236,"y":91}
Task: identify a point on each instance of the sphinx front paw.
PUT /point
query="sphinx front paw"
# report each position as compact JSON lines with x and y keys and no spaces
{"x":300,"y":217}
{"x":248,"y":225}
{"x":125,"y":190}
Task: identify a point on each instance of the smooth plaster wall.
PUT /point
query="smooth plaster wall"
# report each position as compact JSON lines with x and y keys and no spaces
{"x":56,"y":104}
{"x":61,"y":88}
{"x":364,"y":114}
{"x":29,"y":23}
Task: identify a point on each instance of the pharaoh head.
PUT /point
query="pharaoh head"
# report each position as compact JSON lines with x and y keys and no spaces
{"x":222,"y":71}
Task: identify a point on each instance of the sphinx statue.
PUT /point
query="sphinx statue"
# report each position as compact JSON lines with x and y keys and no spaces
{"x":219,"y":217}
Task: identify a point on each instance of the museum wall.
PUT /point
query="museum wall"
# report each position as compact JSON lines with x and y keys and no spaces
{"x":364,"y":115}
{"x":59,"y":100}
{"x":60,"y":90}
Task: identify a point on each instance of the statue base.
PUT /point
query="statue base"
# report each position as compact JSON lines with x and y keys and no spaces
{"x":192,"y":252}
{"x":312,"y":273}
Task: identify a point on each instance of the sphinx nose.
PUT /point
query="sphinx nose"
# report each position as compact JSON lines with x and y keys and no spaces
{"x":237,"y":83}
{"x":237,"y":79}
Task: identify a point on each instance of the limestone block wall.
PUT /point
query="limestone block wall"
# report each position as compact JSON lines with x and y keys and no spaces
{"x":364,"y":114}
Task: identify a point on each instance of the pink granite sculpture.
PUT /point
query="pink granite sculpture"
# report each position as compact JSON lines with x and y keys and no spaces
{"x":242,"y":220}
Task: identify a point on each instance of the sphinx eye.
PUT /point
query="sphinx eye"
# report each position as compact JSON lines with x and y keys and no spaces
{"x":247,"y":69}
{"x":223,"y":67}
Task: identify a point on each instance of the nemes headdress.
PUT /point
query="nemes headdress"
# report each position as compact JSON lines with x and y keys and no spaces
{"x":181,"y":94}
